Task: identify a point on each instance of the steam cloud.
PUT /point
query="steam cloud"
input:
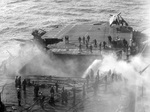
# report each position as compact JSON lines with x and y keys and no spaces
{"x":34,"y":60}
{"x":136,"y":72}
{"x":31,"y":60}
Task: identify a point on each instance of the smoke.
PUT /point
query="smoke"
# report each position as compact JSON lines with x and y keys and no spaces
{"x":130,"y":70}
{"x":136,"y":71}
{"x":14,"y":63}
{"x":32,"y":59}
{"x":110,"y":62}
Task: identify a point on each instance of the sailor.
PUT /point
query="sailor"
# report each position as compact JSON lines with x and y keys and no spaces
{"x":52,"y":90}
{"x":105,"y":82}
{"x":100,"y":46}
{"x":65,"y":96}
{"x":67,"y":39}
{"x":79,"y":39}
{"x":109,"y":39}
{"x":41,"y":98}
{"x":83,"y":40}
{"x":80,"y":47}
{"x":19,"y":81}
{"x":91,"y":48}
{"x":74,"y":95}
{"x":24,"y":83}
{"x":2,"y":106}
{"x":62,"y":95}
{"x":88,"y":38}
{"x":63,"y":88}
{"x":19,"y":96}
{"x":52,"y":100}
{"x":124,"y":42}
{"x":16,"y":81}
{"x":36,"y":90}
{"x":97,"y":76}
{"x":87,"y":44}
{"x":114,"y":42}
{"x":28,"y":82}
{"x":56,"y":85}
{"x":95,"y":43}
{"x":104,"y":44}
{"x":113,"y":76}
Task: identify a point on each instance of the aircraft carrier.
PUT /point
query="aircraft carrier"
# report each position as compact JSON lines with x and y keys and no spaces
{"x":71,"y":40}
{"x":99,"y":31}
{"x":64,"y":44}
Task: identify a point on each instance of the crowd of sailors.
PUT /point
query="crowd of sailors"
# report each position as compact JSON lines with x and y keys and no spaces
{"x":86,"y":41}
{"x":112,"y":43}
{"x":38,"y":95}
{"x":106,"y":79}
{"x":91,"y":81}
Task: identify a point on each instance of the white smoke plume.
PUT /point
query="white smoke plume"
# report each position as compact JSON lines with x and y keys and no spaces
{"x":34,"y":60}
{"x":136,"y":71}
